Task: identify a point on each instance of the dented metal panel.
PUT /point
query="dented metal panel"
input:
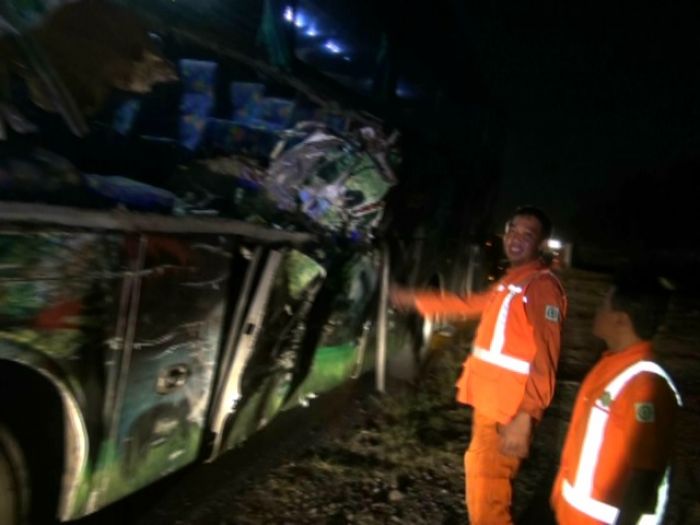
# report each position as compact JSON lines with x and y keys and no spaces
{"x":169,"y":361}
{"x":130,"y":327}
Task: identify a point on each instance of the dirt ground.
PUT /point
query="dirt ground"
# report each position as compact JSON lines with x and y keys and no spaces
{"x":400,"y":461}
{"x":397,"y":458}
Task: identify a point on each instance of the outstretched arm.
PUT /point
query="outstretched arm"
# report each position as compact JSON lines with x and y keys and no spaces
{"x":433,"y":302}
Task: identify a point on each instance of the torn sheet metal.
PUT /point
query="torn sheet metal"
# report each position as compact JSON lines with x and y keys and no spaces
{"x":332,"y":180}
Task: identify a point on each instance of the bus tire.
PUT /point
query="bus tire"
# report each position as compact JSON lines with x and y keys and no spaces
{"x":14,"y":480}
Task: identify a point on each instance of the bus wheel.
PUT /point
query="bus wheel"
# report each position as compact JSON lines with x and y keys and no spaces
{"x":14,"y":486}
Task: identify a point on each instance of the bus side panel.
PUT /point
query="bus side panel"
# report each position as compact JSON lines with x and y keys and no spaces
{"x":335,"y":358}
{"x":309,"y":337}
{"x":169,"y":363}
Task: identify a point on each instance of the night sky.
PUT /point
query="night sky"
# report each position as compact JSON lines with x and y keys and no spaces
{"x":591,"y":95}
{"x":599,"y":102}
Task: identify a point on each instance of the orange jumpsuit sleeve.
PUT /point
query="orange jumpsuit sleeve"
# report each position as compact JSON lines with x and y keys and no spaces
{"x":644,"y":416}
{"x":546,"y":309}
{"x":451,"y":305}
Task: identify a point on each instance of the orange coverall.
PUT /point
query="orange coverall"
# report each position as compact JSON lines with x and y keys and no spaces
{"x":623,"y":419}
{"x":511,"y":369}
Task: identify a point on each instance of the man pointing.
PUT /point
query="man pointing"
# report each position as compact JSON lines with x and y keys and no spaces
{"x":509,"y":376}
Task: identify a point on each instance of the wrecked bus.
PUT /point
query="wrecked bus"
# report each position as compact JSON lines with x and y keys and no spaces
{"x":185,"y":251}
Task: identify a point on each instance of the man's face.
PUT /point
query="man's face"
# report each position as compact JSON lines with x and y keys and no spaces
{"x":523,"y":239}
{"x":605,"y":321}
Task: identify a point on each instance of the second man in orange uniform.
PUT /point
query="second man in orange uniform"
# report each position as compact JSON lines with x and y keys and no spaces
{"x":616,"y":459}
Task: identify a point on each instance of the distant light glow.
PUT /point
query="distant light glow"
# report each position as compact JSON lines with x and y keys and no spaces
{"x":312,"y":31}
{"x":405,"y":90}
{"x":300,"y":20}
{"x":554,"y":244}
{"x":289,"y":14}
{"x":333,"y":47}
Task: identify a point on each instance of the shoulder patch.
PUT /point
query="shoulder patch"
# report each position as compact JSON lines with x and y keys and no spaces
{"x":551,"y":313}
{"x":644,"y":412}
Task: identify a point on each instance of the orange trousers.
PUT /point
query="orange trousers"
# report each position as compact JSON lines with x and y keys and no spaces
{"x":489,"y":475}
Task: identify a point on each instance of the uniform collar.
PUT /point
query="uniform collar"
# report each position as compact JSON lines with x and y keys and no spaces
{"x":513,"y":274}
{"x":640,"y":349}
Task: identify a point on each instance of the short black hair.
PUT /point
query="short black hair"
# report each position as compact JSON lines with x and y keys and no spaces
{"x":644,"y":298}
{"x":537,"y":213}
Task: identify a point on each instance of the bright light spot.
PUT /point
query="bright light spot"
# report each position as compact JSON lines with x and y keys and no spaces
{"x":300,"y":20}
{"x":427,"y":329}
{"x":289,"y":14}
{"x":312,"y":31}
{"x":333,"y":47}
{"x":554,"y":244}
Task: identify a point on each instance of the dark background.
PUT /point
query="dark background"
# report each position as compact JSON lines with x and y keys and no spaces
{"x":587,"y":109}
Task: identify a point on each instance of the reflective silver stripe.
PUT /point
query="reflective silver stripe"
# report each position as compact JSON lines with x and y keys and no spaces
{"x":621,"y":380}
{"x":585,"y":504}
{"x":504,"y":361}
{"x":579,"y":495}
{"x":607,"y":513}
{"x":597,"y":421}
{"x":661,"y":499}
{"x":494,"y":354}
{"x":499,"y":331}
